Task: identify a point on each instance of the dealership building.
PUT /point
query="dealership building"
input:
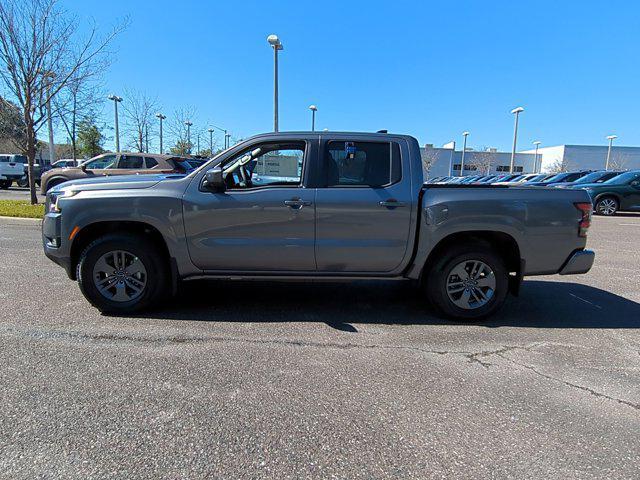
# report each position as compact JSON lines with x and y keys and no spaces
{"x":446,"y":160}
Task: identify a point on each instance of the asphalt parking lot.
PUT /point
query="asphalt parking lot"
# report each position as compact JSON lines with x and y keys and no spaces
{"x":17,"y":193}
{"x":253,"y":380}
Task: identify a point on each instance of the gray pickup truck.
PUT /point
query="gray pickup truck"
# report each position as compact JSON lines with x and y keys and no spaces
{"x":298,"y":206}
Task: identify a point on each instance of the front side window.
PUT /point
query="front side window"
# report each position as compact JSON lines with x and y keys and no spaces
{"x":372,"y":164}
{"x":102,"y":163}
{"x":130,"y":161}
{"x":266,"y":165}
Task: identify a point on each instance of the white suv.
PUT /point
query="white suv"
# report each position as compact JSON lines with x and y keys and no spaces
{"x":11,"y":168}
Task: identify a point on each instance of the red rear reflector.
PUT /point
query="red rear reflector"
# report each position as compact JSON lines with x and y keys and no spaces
{"x":585,"y":222}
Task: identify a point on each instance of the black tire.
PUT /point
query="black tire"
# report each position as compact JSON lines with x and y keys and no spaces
{"x":158,"y":279}
{"x":5,"y":184}
{"x":436,"y":281}
{"x":607,"y":206}
{"x":23,"y":182}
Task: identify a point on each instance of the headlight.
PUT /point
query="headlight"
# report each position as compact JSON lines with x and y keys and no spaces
{"x":54,"y":198}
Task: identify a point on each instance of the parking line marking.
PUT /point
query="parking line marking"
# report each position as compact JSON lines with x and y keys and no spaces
{"x":586,"y":301}
{"x":630,"y":224}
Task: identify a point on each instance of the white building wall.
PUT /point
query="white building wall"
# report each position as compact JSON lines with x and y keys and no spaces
{"x":446,"y":161}
{"x":589,"y":157}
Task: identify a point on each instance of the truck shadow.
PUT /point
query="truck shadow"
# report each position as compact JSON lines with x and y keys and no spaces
{"x":541,"y":304}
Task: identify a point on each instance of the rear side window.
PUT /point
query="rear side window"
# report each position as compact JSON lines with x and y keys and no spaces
{"x":181,"y":165}
{"x":151,"y":162}
{"x":372,"y":164}
{"x":130,"y":161}
{"x":5,"y":158}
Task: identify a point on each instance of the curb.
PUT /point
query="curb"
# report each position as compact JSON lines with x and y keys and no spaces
{"x":22,"y":219}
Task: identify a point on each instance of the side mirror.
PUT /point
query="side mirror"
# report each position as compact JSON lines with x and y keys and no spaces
{"x":214,"y":180}
{"x":635,"y":183}
{"x":83,"y":167}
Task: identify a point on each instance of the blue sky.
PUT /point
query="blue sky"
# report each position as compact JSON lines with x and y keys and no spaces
{"x":430,"y":69}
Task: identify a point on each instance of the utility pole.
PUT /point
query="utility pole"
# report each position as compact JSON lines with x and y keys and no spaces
{"x":161,"y":117}
{"x":535,"y":163}
{"x":464,"y":149}
{"x":313,"y":109}
{"x":516,"y":111}
{"x":611,"y":138}
{"x":210,"y":141}
{"x":116,"y":101}
{"x":274,"y":41}
{"x":188,"y":124}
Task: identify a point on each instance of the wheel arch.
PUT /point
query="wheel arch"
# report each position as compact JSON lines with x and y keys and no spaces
{"x":92,"y":231}
{"x":502,"y":243}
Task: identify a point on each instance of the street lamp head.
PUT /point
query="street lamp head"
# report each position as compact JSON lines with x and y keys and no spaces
{"x":188,"y":123}
{"x":274,"y":41}
{"x":537,"y":142}
{"x":465,"y":133}
{"x":210,"y":130}
{"x":517,"y":110}
{"x":160,"y":116}
{"x":313,"y":108}
{"x":612,"y":137}
{"x":115,"y":98}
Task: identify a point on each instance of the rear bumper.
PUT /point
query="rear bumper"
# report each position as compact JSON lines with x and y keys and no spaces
{"x":578,"y":262}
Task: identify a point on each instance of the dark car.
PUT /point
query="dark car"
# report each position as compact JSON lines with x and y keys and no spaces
{"x":560,"y":178}
{"x":599,"y":176}
{"x":621,"y":193}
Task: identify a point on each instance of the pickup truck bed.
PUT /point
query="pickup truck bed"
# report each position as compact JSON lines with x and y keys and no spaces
{"x":308,"y":205}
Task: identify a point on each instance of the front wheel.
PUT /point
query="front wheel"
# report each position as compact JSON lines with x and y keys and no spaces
{"x":23,"y":182}
{"x":5,"y":184}
{"x":468,"y":282}
{"x":607,"y":206}
{"x":123,"y":273}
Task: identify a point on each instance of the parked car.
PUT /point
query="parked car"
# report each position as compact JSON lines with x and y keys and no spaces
{"x":539,"y":178}
{"x":67,"y":162}
{"x":519,"y":179}
{"x":621,"y":193}
{"x":11,"y":169}
{"x":353,"y":205}
{"x":109,"y":164}
{"x":599,"y":176}
{"x":560,"y":178}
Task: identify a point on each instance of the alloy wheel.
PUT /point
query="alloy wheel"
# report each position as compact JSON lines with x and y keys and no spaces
{"x":471,"y":284}
{"x":119,"y":276}
{"x":607,"y":206}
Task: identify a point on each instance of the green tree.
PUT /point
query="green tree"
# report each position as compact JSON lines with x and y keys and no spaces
{"x":90,"y":139}
{"x":181,"y":148}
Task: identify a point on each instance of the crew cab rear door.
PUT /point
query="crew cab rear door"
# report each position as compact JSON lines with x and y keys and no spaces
{"x":363,"y":210}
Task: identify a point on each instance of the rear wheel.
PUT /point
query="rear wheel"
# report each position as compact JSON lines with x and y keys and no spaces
{"x":5,"y":184}
{"x":607,"y":206}
{"x":54,"y":182}
{"x":123,"y":273}
{"x":468,"y":282}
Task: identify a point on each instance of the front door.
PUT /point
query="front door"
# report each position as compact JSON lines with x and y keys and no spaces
{"x":264,"y":221}
{"x":364,"y":209}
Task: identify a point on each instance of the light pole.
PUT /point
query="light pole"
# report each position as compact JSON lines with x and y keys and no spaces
{"x":227,"y":137}
{"x":160,"y":117}
{"x":611,"y":138}
{"x":274,"y":41}
{"x":464,"y":149}
{"x":225,"y":134}
{"x":313,"y":109}
{"x":188,"y":124}
{"x":535,"y":161}
{"x":210,"y":141}
{"x":116,"y":100}
{"x":515,"y":111}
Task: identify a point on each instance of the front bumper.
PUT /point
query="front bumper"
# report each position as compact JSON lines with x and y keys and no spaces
{"x":54,"y":247}
{"x":578,"y":262}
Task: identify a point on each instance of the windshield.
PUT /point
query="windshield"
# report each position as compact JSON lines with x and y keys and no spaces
{"x":556,"y":178}
{"x":623,"y":179}
{"x":593,"y":177}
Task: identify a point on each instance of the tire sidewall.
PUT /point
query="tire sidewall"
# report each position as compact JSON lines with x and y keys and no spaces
{"x":138,"y":246}
{"x":436,"y":283}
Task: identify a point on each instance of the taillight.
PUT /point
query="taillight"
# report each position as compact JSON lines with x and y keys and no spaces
{"x":585,"y":222}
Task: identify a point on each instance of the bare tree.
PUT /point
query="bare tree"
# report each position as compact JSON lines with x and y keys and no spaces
{"x":429,"y":158}
{"x":78,"y":101}
{"x":40,"y":52}
{"x":139,"y":112}
{"x":618,"y":160}
{"x":177,"y":128}
{"x":561,"y":165}
{"x":484,"y":160}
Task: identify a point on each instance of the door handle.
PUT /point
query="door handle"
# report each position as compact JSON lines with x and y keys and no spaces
{"x":297,"y":203}
{"x":391,"y":203}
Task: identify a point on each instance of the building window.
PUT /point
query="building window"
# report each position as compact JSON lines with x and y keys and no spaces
{"x":466,"y":167}
{"x":506,"y":168}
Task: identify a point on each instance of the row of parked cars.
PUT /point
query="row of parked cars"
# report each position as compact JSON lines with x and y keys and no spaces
{"x":13,"y":168}
{"x":610,"y":191}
